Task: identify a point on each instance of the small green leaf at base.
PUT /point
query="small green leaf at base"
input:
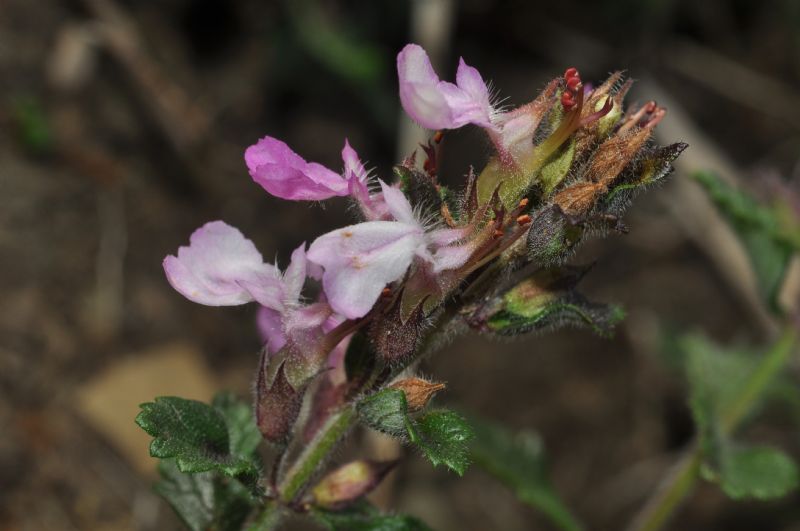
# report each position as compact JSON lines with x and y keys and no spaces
{"x":386,"y":411}
{"x":443,"y":437}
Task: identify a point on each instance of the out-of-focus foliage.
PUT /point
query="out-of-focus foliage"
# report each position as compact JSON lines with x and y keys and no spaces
{"x":770,"y":244}
{"x":726,"y":386}
{"x":518,"y":460}
{"x":204,"y":500}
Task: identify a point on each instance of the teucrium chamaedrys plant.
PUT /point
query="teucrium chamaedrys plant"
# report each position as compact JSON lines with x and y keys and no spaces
{"x":422,"y":263}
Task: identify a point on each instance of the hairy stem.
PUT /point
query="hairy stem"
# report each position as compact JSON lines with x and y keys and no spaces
{"x":678,"y":484}
{"x":305,"y":467}
{"x":268,"y":519}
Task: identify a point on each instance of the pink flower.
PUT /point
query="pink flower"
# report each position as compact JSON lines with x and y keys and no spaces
{"x":285,"y":174}
{"x":360,"y":260}
{"x":372,"y":206}
{"x":437,"y":104}
{"x":223,"y":268}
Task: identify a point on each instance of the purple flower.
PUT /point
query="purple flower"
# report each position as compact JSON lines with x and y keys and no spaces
{"x":223,"y":268}
{"x":372,"y":206}
{"x":437,"y":104}
{"x":360,"y":260}
{"x":285,"y":174}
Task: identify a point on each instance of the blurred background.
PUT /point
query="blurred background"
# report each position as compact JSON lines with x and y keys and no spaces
{"x":124,"y":123}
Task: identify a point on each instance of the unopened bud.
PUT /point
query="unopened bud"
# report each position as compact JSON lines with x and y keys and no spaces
{"x":418,"y":391}
{"x":350,"y":482}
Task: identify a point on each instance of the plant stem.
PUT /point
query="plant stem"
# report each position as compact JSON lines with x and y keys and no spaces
{"x":672,"y":491}
{"x":311,"y":458}
{"x":682,"y":477}
{"x":269,"y":518}
{"x":752,"y":390}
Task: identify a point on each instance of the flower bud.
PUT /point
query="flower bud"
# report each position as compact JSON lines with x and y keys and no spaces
{"x":277,"y":402}
{"x":418,"y":391}
{"x":349,"y":482}
{"x":545,"y":300}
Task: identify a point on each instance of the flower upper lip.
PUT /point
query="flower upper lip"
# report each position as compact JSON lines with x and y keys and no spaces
{"x":438,"y":104}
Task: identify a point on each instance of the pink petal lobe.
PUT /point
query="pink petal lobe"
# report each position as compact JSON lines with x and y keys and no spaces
{"x":283,"y":173}
{"x":361,"y":259}
{"x":398,"y":204}
{"x":295,"y":276}
{"x":270,"y":328}
{"x":221,"y":267}
{"x":437,"y":104}
{"x":419,"y":89}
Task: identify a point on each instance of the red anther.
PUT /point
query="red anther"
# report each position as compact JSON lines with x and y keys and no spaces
{"x":523,"y":202}
{"x":386,"y":292}
{"x":567,"y":100}
{"x":570,"y":73}
{"x":573,"y":84}
{"x":498,"y":234}
{"x":438,"y":136}
{"x":523,"y":220}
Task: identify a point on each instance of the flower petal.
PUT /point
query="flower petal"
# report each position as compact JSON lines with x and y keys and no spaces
{"x":353,"y":167}
{"x":419,"y":89}
{"x":283,"y":173}
{"x":437,"y":104}
{"x":270,"y":328}
{"x":221,"y":267}
{"x":295,"y":276}
{"x":398,"y":204}
{"x":361,"y":259}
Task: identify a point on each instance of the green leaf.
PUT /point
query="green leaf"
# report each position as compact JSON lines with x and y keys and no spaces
{"x":364,"y":517}
{"x":443,"y":437}
{"x":518,"y":461}
{"x":195,"y":434}
{"x":716,"y":377}
{"x":204,"y":500}
{"x":243,"y":433}
{"x":768,"y":245}
{"x":757,"y":472}
{"x":386,"y":411}
{"x":725,"y":387}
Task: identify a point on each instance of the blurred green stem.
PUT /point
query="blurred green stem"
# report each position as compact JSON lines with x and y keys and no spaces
{"x":315,"y":454}
{"x":682,"y":477}
{"x":269,"y":518}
